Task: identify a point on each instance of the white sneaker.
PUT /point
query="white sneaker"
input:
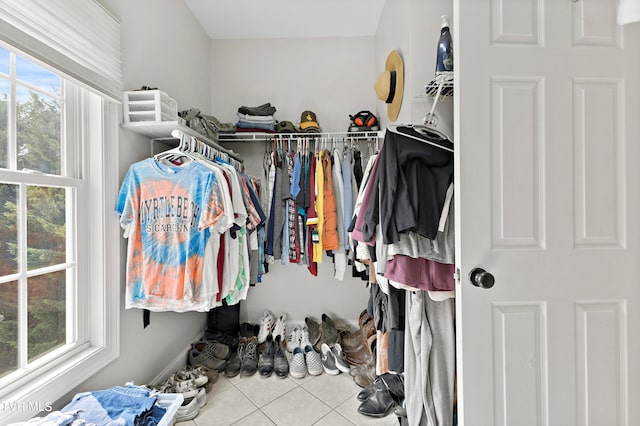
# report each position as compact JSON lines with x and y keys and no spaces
{"x":187,"y":388}
{"x":196,"y":375}
{"x":266,"y":325}
{"x":298,"y":368}
{"x":188,"y":410}
{"x":293,"y":340}
{"x":201,"y":397}
{"x":279,"y":329}
{"x":304,"y":337}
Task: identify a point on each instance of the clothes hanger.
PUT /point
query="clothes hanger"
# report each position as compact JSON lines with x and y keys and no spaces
{"x":174,"y":155}
{"x":424,"y":134}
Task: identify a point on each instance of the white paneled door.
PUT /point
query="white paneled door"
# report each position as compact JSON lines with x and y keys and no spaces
{"x":548,"y":186}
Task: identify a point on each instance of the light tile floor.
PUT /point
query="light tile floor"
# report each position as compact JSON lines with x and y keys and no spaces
{"x":322,"y":400}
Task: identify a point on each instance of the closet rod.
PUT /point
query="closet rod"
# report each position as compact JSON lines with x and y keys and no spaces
{"x":241,"y":137}
{"x":178,"y":134}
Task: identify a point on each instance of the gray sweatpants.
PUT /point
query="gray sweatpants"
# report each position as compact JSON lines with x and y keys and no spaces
{"x":429,"y":360}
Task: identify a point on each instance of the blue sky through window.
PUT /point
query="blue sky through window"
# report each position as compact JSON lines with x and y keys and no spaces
{"x":30,"y":73}
{"x":36,"y":75}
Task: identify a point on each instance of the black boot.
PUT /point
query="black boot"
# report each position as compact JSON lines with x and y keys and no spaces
{"x":369,"y":390}
{"x":395,"y":385}
{"x":379,"y":404}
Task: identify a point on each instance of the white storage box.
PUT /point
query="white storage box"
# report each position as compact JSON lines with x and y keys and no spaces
{"x":149,"y":106}
{"x":170,"y":402}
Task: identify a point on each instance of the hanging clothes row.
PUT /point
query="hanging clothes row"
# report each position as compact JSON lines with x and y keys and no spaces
{"x":403,"y":230}
{"x":310,"y":186}
{"x":193,"y":220}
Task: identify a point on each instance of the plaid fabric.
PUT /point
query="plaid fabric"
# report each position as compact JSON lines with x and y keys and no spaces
{"x":292,"y":216}
{"x":301,"y":230}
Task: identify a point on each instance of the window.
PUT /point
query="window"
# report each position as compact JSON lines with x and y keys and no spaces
{"x":57,"y":185}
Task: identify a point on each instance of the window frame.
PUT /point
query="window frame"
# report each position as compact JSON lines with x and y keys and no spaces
{"x":90,"y":128}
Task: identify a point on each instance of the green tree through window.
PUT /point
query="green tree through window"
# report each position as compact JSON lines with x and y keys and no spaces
{"x":38,"y":119}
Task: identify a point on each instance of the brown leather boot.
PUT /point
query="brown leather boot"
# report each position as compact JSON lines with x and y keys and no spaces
{"x":359,"y":355}
{"x":366,"y":374}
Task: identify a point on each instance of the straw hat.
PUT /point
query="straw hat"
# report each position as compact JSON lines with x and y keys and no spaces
{"x":390,"y":84}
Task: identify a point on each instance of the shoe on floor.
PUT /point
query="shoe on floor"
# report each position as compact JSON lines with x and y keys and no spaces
{"x":206,"y":359}
{"x":314,"y":330}
{"x":365,"y":375}
{"x":379,"y":404}
{"x":217,"y":349}
{"x":329,"y":360}
{"x":341,"y":361}
{"x":232,"y":369}
{"x":329,"y":331}
{"x":247,"y":329}
{"x":280,"y":362}
{"x":249,"y":358}
{"x":212,"y":375}
{"x":225,"y":339}
{"x":313,"y":361}
{"x":280,"y":327}
{"x":189,"y":410}
{"x":298,"y":368}
{"x":195,"y":375}
{"x":293,"y":340}
{"x":201,"y":397}
{"x":304,"y":337}
{"x":266,"y":326}
{"x":187,"y":388}
{"x":265,"y":361}
{"x":365,"y":393}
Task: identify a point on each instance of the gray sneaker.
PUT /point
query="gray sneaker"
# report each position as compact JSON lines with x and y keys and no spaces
{"x":235,"y":362}
{"x":341,"y":361}
{"x":217,"y":349}
{"x":265,"y":362}
{"x":250,"y":358}
{"x":205,"y":358}
{"x":280,"y":363}
{"x":329,"y":360}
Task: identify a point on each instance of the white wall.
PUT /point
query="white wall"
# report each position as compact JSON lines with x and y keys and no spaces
{"x":332,"y":77}
{"x":413,"y":27}
{"x":154,"y":54}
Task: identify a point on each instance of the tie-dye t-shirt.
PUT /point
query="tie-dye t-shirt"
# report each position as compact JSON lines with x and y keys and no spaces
{"x":166,"y":212}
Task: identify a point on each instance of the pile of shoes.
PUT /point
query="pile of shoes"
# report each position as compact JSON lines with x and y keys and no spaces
{"x":305,"y":360}
{"x":314,"y":347}
{"x":193,"y":383}
{"x":382,"y":396}
{"x":271,"y":335}
{"x":244,"y":359}
{"x":359,"y":348}
{"x":326,"y":337}
{"x":327,"y":330}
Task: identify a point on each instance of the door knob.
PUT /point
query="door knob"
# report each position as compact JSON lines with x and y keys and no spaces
{"x":481,"y":278}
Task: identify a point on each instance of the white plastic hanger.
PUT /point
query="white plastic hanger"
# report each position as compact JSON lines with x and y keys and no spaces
{"x":431,"y":136}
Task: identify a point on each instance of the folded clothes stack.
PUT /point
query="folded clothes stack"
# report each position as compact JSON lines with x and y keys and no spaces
{"x":256,"y":119}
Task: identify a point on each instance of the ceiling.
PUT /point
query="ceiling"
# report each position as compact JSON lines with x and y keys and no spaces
{"x":248,"y":19}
